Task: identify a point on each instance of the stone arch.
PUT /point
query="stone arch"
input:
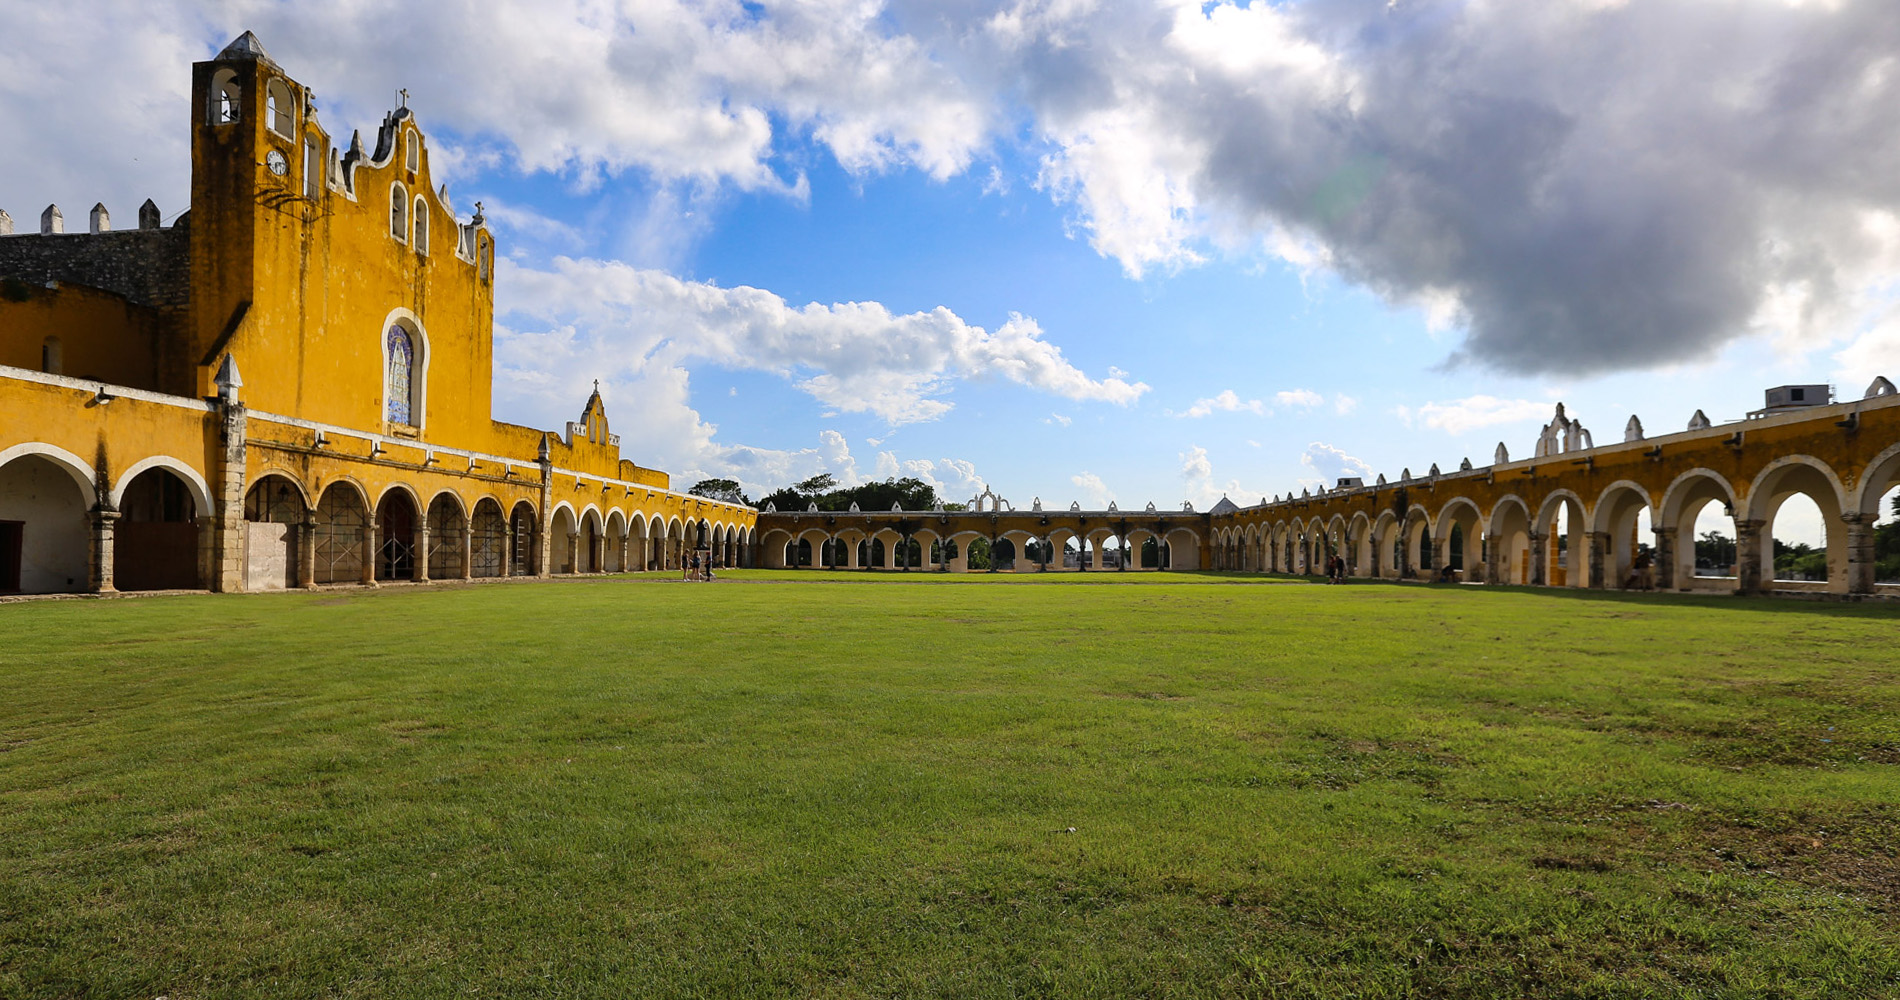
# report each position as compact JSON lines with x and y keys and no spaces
{"x":1777,"y":482}
{"x":200,"y":490}
{"x":1184,"y":548}
{"x":615,"y":559}
{"x":525,"y":539}
{"x":1459,"y":538}
{"x":563,"y":525}
{"x":157,"y":542}
{"x":773,"y":545}
{"x":447,"y":522}
{"x":47,"y":496}
{"x":639,"y":542}
{"x":1360,"y":544}
{"x":1875,"y":479}
{"x":1616,"y":544}
{"x":398,"y":513}
{"x":488,"y":538}
{"x":1417,"y":539}
{"x":72,"y":465}
{"x":1566,"y":558}
{"x":1509,"y":533}
{"x":590,"y":550}
{"x":344,"y":536}
{"x":276,"y":507}
{"x":1387,"y":535}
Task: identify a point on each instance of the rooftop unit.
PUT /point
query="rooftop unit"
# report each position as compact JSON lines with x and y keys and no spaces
{"x":1786,"y":398}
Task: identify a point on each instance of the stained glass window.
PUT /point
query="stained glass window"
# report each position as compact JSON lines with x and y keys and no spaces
{"x":402,"y":360}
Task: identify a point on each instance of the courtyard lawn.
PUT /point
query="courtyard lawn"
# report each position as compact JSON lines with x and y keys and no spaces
{"x":773,"y":786}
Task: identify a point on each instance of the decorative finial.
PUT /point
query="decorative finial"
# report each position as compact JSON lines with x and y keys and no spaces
{"x":405,"y":96}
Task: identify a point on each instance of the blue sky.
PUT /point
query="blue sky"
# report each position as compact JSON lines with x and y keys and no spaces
{"x":1140,"y":251}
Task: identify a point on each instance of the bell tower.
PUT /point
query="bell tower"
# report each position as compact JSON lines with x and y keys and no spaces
{"x":246,"y":175}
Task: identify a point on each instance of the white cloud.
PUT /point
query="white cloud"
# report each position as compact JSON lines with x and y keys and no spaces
{"x":1330,"y":464}
{"x":1344,"y":404}
{"x":1197,"y":471}
{"x":1304,"y":399}
{"x":854,"y":357}
{"x":1059,"y":419}
{"x":1227,"y":402}
{"x":1473,"y":412}
{"x":1095,"y":493}
{"x":954,"y":479}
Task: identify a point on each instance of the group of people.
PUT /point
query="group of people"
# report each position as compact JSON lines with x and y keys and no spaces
{"x":697,"y":567}
{"x":1336,"y":569}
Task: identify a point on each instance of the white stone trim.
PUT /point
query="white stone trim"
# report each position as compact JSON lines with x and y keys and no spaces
{"x":78,"y":468}
{"x":94,"y":386}
{"x":200,"y":490}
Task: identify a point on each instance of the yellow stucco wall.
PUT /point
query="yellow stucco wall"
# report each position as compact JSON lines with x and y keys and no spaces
{"x":100,"y":335}
{"x":297,"y":277}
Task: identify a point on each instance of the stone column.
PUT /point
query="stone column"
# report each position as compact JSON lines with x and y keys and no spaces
{"x":1600,"y":550}
{"x":372,"y":537}
{"x":574,"y":561}
{"x":992,"y":568}
{"x":468,"y":548}
{"x":1662,"y":561}
{"x":227,"y":499}
{"x":307,"y":551}
{"x":103,"y":517}
{"x":1540,"y":572}
{"x":421,"y":574}
{"x":1860,"y":554}
{"x":1748,"y":579}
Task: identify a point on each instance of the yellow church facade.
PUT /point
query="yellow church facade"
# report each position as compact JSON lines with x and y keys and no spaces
{"x":291,"y":385}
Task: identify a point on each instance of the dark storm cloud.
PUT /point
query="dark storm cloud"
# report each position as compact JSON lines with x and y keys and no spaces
{"x":1597,"y":186}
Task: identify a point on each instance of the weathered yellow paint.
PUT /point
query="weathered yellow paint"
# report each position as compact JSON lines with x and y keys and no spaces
{"x":297,"y":277}
{"x":1844,"y":456}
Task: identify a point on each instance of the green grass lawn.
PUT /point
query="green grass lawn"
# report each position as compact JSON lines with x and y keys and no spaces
{"x":840,"y":785}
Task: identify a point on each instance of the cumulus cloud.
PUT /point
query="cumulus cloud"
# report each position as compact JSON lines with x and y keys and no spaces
{"x":854,"y":357}
{"x":1578,"y":186}
{"x":1304,"y":399}
{"x":1203,"y":489}
{"x":1227,"y":402}
{"x":1095,"y":493}
{"x":1329,"y":465}
{"x":1473,"y":412}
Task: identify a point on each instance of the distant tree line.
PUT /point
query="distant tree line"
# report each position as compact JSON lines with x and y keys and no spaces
{"x":908,"y":493}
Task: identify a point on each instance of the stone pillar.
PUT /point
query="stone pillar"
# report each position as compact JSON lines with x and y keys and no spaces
{"x":1405,"y":550}
{"x":227,"y":499}
{"x":1600,"y":550}
{"x":544,"y":521}
{"x":103,"y":517}
{"x":574,"y":560}
{"x":372,"y":539}
{"x":992,"y":568}
{"x":421,"y":575}
{"x":1540,"y":571}
{"x":1121,"y":564}
{"x":1748,"y":579}
{"x":307,"y":551}
{"x":468,"y":549}
{"x":1860,"y":554}
{"x":1662,"y":561}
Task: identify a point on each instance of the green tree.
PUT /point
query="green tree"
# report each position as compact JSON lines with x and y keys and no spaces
{"x":800,"y":495}
{"x":720,"y":489}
